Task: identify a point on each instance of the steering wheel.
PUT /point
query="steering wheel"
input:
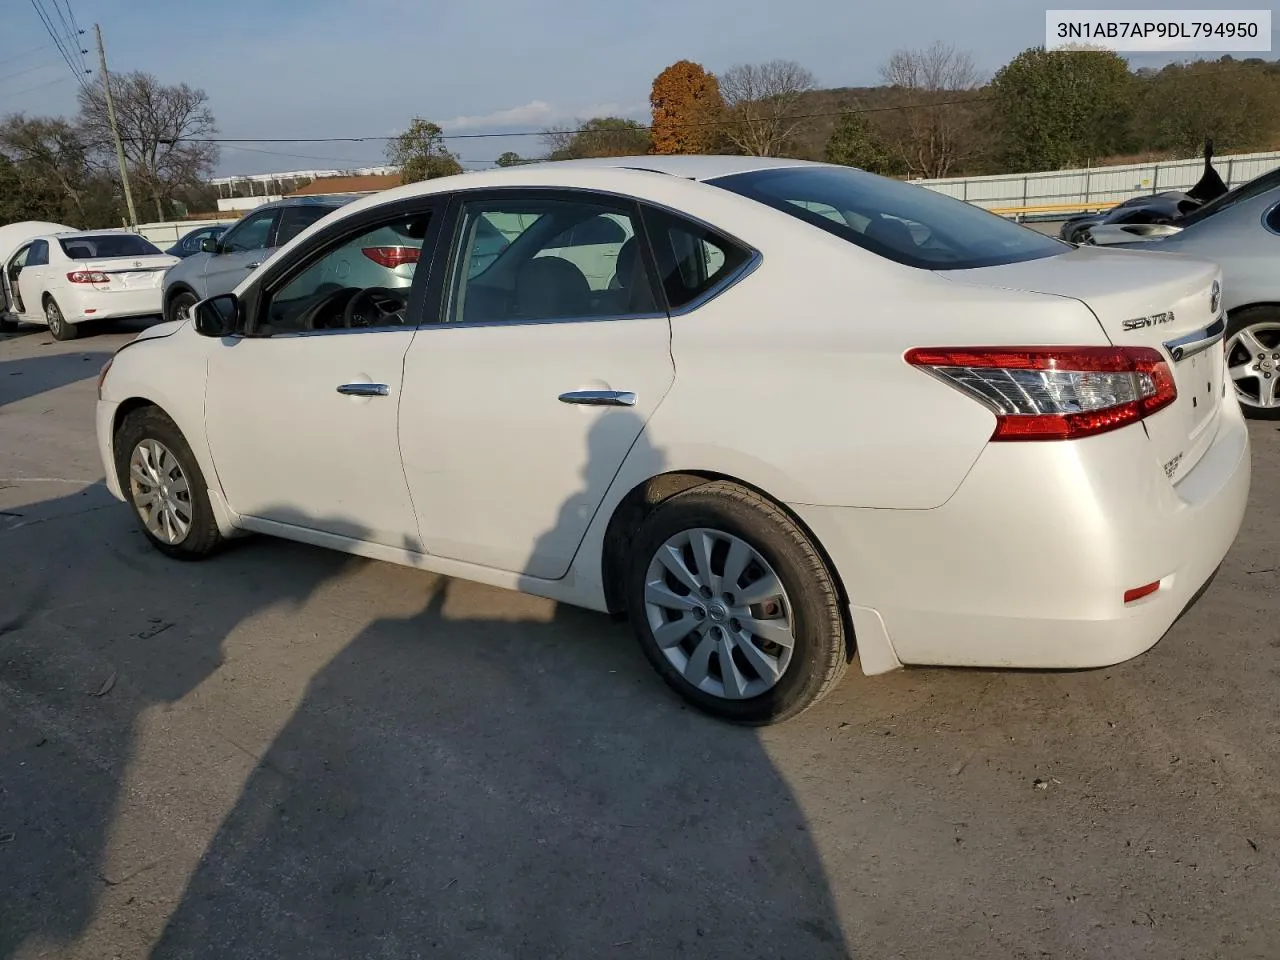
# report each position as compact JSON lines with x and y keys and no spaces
{"x":376,"y":307}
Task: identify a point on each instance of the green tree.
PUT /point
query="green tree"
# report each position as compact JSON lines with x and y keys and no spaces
{"x":1236,"y":103}
{"x":856,"y":142}
{"x":1059,"y":108}
{"x":510,"y":159}
{"x":597,"y":137}
{"x":420,"y":153}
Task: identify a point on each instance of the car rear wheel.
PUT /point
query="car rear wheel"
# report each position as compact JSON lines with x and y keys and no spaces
{"x":58,"y":325}
{"x":734,"y":606}
{"x":1253,"y":360}
{"x":180,"y":306}
{"x":162,"y":481}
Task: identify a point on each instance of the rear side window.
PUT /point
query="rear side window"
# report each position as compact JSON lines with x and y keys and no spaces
{"x":692,"y":259}
{"x":39,"y":254}
{"x":898,"y":221}
{"x":108,"y":245}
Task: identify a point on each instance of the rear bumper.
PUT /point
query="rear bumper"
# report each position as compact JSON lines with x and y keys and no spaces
{"x":105,"y":305}
{"x":1027,"y":564}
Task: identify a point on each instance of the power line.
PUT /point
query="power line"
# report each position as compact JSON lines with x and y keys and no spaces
{"x":59,"y":42}
{"x":639,"y":126}
{"x":38,"y":66}
{"x":10,"y":58}
{"x":71,"y":34}
{"x":38,"y":86}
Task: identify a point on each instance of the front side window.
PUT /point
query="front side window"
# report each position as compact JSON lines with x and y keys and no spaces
{"x":691,"y":258}
{"x":529,"y":260}
{"x":293,"y":220}
{"x":39,"y":254}
{"x":360,"y":282}
{"x":108,"y":245}
{"x":252,"y":234}
{"x":898,"y":221}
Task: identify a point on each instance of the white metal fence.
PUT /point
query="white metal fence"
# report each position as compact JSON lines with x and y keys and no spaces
{"x":1062,"y":192}
{"x":167,"y":234}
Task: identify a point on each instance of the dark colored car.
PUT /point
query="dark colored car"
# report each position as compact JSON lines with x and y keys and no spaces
{"x":189,"y":243}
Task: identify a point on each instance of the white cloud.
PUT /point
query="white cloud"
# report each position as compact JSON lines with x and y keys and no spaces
{"x":539,"y":113}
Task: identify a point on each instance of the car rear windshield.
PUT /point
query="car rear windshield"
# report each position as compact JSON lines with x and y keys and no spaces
{"x":108,"y":245}
{"x":905,"y":223}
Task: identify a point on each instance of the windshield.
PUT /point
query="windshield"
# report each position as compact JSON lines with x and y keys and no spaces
{"x":896,"y":220}
{"x":107,"y":245}
{"x":1246,"y":191}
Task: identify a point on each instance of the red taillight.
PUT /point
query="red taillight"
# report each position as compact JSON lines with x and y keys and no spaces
{"x":88,"y":276}
{"x":1137,"y":593}
{"x":1055,"y":393}
{"x":392,"y":256}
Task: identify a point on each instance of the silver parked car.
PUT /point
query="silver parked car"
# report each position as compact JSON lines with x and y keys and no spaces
{"x":1240,"y":231}
{"x":226,"y":260}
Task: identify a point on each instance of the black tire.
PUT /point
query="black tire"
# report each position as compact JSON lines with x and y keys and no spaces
{"x":58,"y":326}
{"x":822,"y":648}
{"x":151,"y":423}
{"x":182,"y":301}
{"x":1267,"y":322}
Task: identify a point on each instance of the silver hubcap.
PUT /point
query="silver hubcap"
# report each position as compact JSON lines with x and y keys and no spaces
{"x":182,"y":310}
{"x":1253,"y":360}
{"x":719,"y":613}
{"x":52,"y":314}
{"x":160,"y":492}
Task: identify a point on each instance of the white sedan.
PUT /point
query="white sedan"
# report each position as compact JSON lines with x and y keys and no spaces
{"x":775,"y":411}
{"x":65,"y":279}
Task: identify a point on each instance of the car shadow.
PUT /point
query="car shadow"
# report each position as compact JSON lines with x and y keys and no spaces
{"x":468,"y":782}
{"x":32,"y":376}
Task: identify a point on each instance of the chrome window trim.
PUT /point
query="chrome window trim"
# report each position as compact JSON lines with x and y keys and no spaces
{"x":745,"y":270}
{"x":518,"y":322}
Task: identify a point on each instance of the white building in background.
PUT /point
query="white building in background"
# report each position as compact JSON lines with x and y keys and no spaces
{"x":266,"y":187}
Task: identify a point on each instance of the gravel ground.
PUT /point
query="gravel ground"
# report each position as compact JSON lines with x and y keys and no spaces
{"x":288,"y":753}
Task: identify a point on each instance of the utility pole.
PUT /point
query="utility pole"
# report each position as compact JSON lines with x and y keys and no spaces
{"x":115,"y":131}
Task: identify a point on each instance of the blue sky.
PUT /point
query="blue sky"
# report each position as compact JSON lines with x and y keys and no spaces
{"x":302,"y":68}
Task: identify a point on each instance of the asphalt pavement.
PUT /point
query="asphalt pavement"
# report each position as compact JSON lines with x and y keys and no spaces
{"x":289,"y":753}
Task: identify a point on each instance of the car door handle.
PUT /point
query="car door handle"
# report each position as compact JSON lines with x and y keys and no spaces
{"x":600,"y":398}
{"x":253,"y":266}
{"x":364,"y":389}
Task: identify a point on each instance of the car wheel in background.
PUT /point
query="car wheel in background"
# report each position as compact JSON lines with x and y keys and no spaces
{"x":179,"y":307}
{"x":58,"y":325}
{"x":163,"y":483}
{"x":734,"y":606}
{"x":1253,"y":360}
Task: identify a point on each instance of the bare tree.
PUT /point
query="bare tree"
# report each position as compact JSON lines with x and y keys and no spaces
{"x":762,"y":100}
{"x":164,"y":129}
{"x":48,"y":149}
{"x":932,"y":132}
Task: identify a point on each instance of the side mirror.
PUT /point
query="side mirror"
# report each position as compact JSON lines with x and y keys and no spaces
{"x":217,"y":316}
{"x":209,"y":245}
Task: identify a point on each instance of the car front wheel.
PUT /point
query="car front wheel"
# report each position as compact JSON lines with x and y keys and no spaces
{"x":1253,"y":360}
{"x":734,"y":606}
{"x":162,"y":481}
{"x":180,"y":306}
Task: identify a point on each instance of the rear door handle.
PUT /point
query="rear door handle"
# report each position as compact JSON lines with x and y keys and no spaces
{"x":253,"y":266}
{"x":364,"y":389}
{"x":600,"y":398}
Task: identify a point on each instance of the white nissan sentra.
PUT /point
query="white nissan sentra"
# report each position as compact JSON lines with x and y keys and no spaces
{"x":776,"y":412}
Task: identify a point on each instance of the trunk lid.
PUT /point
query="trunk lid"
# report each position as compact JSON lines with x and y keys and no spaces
{"x":129,"y":273}
{"x":1167,"y":302}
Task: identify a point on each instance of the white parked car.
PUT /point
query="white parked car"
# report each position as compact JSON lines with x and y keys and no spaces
{"x":811,"y":411}
{"x":66,"y":278}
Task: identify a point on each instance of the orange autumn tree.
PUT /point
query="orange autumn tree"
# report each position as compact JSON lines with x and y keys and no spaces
{"x":686,"y":103}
